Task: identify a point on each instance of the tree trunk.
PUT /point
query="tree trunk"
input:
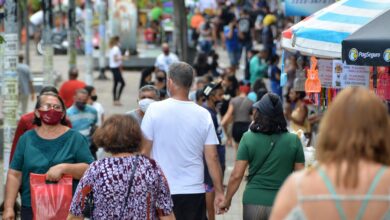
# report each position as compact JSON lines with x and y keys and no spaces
{"x":47,"y":43}
{"x":88,"y":42}
{"x":72,"y":52}
{"x":102,"y":10}
{"x":26,"y":25}
{"x":180,"y":31}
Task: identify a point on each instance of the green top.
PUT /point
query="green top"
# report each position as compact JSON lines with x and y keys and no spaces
{"x":257,"y":69}
{"x":155,"y":13}
{"x":36,"y":155}
{"x":264,"y":183}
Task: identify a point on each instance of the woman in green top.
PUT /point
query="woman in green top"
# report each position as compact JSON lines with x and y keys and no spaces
{"x":52,"y":149}
{"x":272,"y":154}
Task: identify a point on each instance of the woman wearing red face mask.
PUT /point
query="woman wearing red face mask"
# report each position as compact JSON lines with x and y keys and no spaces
{"x":51,"y":148}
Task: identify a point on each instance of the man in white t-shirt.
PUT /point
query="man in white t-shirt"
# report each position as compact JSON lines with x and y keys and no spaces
{"x":164,"y":60}
{"x":178,"y":133}
{"x":36,"y":21}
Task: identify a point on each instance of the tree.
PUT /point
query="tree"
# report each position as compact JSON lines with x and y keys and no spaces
{"x":180,"y":20}
{"x":88,"y":42}
{"x":72,"y":52}
{"x":47,"y":42}
{"x":10,"y":78}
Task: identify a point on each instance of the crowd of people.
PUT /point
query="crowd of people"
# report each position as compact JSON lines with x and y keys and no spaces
{"x":167,"y":157}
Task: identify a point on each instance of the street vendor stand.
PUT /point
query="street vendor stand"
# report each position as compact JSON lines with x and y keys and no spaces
{"x":321,"y":35}
{"x":370,"y":46}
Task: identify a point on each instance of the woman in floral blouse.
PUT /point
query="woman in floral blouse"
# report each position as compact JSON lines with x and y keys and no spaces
{"x":127,"y":185}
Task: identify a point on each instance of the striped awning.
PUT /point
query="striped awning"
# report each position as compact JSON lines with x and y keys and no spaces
{"x":321,"y":34}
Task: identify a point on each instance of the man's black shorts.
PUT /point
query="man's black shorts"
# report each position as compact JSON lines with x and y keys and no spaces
{"x":189,"y":206}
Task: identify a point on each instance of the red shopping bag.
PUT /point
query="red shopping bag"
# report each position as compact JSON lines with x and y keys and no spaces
{"x":50,"y":201}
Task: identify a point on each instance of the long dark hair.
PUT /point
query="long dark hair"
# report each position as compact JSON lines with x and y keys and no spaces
{"x":37,"y":121}
{"x":144,"y":74}
{"x":268,"y":125}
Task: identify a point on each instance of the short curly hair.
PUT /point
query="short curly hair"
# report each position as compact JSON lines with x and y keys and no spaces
{"x":119,"y":134}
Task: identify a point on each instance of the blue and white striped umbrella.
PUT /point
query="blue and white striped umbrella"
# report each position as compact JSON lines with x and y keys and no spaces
{"x":321,"y":34}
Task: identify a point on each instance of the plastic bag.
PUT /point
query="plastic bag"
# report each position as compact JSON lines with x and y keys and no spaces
{"x":283,"y":76}
{"x":50,"y":201}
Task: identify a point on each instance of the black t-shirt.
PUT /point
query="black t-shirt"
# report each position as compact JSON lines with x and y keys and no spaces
{"x":202,"y":69}
{"x":229,"y":94}
{"x":226,"y":17}
{"x":245,"y":26}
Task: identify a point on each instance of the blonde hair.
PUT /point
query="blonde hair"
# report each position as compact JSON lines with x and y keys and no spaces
{"x":356,"y":127}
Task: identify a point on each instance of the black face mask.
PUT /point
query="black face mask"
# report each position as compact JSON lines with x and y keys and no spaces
{"x":94,"y":98}
{"x":80,"y":105}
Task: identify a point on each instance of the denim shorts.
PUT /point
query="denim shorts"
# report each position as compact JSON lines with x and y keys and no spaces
{"x":234,"y":57}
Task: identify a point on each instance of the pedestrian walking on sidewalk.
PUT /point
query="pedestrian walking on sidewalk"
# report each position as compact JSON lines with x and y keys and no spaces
{"x":83,"y":117}
{"x":178,"y":132}
{"x":26,"y":87}
{"x":213,"y":93}
{"x":51,"y":148}
{"x":146,"y":95}
{"x":272,"y":154}
{"x":92,"y":101}
{"x":239,"y":113}
{"x":352,"y":178}
{"x":68,"y":89}
{"x":115,"y":64}
{"x":127,"y":185}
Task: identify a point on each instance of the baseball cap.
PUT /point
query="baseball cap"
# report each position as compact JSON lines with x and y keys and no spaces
{"x":209,"y":88}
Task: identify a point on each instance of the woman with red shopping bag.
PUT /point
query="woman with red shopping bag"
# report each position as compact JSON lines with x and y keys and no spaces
{"x":52,"y":149}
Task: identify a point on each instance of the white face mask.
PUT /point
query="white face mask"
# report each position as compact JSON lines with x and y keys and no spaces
{"x":144,"y":104}
{"x":209,"y":60}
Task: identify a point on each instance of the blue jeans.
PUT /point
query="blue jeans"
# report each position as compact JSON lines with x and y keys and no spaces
{"x":234,"y":57}
{"x":205,"y":46}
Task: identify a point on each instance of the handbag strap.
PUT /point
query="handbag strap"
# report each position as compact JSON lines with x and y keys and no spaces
{"x":130,"y":184}
{"x":273,"y":143}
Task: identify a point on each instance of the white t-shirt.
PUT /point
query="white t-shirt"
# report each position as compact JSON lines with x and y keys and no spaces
{"x":163,"y":62}
{"x":37,"y":18}
{"x":115,"y":51}
{"x":207,"y":4}
{"x":100,"y":111}
{"x":179,"y":131}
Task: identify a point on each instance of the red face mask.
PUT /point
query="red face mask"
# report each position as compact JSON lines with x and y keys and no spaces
{"x":51,"y":117}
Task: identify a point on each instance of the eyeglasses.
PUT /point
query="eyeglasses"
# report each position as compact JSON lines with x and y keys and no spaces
{"x":47,"y":107}
{"x":146,"y":97}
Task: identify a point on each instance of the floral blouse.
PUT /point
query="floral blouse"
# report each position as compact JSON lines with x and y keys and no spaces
{"x":109,"y":181}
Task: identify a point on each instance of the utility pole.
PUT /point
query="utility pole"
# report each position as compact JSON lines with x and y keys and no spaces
{"x":47,"y":43}
{"x":88,"y":42}
{"x":180,"y":31}
{"x":72,"y":52}
{"x":102,"y":38}
{"x":26,"y":22}
{"x":10,"y":79}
